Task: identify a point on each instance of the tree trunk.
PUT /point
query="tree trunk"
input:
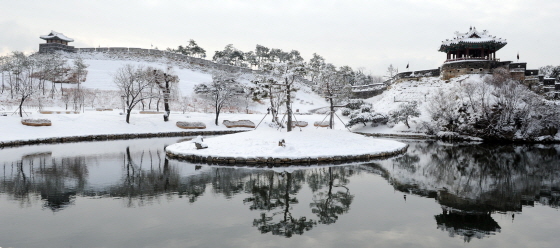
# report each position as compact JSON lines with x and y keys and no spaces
{"x":166,"y":102}
{"x":20,"y":107}
{"x":331,"y":118}
{"x":128,"y":111}
{"x":274,"y":119}
{"x":217,"y":114}
{"x":288,"y":107}
{"x":406,"y":121}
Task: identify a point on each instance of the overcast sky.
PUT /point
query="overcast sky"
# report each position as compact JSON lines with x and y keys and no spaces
{"x":362,"y":34}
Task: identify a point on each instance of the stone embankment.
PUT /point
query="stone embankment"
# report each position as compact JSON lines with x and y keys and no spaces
{"x":278,"y":162}
{"x":103,"y":137}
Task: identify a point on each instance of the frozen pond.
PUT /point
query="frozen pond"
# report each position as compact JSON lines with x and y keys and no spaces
{"x":127,"y":194}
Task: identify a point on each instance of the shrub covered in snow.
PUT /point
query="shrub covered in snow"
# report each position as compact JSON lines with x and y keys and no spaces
{"x":345,"y":111}
{"x":362,"y":112}
{"x":493,"y":108}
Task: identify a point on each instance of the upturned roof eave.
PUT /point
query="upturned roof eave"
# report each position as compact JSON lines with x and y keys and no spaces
{"x":456,"y":46}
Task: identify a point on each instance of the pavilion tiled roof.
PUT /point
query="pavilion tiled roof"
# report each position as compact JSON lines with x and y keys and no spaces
{"x":53,"y":35}
{"x":472,"y":37}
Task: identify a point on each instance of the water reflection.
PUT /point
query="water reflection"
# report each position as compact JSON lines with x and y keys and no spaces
{"x":276,"y":194}
{"x":55,"y":181}
{"x":470,"y":182}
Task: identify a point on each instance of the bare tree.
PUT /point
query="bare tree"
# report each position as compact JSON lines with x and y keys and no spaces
{"x":21,"y":73}
{"x":220,"y":92}
{"x":391,"y":72}
{"x":133,"y":84}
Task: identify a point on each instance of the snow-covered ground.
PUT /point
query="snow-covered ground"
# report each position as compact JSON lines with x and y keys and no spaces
{"x":311,"y":143}
{"x":101,"y":69}
{"x":111,"y":122}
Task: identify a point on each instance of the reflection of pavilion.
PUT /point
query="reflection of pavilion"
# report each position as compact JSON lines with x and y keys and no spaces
{"x":466,"y":218}
{"x":472,"y":183}
{"x":468,"y":225}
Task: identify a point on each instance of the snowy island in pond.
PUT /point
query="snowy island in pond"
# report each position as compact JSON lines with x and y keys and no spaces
{"x":272,"y":147}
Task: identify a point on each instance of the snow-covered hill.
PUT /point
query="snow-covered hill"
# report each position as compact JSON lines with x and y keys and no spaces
{"x":470,"y":107}
{"x":398,"y":93}
{"x":102,"y":67}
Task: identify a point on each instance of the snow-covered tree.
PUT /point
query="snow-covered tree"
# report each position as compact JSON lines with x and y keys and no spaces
{"x":288,"y":73}
{"x":314,"y":65}
{"x":221,"y":92}
{"x":165,"y":81}
{"x":404,"y":112}
{"x":332,"y":86}
{"x":192,"y":49}
{"x":251,"y":58}
{"x":229,"y":56}
{"x":195,"y":50}
{"x":347,"y":74}
{"x":269,"y":88}
{"x":444,"y":109}
{"x":550,"y":71}
{"x":261,"y":54}
{"x":295,"y":56}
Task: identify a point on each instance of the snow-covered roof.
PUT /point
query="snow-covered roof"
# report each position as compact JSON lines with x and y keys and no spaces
{"x":54,"y":35}
{"x":473,"y":36}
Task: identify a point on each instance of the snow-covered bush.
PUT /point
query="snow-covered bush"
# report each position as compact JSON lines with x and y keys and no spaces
{"x":354,"y":104}
{"x":367,"y":117}
{"x":345,"y":111}
{"x":495,"y":107}
{"x":362,"y":112}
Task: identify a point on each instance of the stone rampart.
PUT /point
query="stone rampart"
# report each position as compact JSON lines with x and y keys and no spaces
{"x":418,"y":74}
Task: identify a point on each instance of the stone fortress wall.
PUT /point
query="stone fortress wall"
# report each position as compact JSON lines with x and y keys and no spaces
{"x":518,"y":71}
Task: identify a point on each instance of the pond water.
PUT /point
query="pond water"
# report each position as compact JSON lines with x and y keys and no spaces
{"x":127,"y":194}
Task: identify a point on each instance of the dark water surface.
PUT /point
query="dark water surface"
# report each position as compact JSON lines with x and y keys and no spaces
{"x":127,"y":194}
